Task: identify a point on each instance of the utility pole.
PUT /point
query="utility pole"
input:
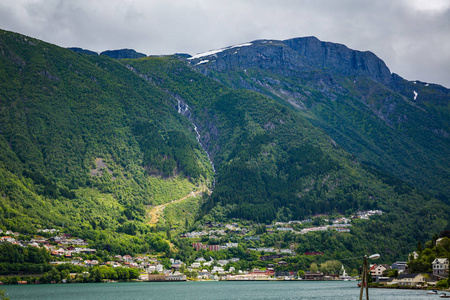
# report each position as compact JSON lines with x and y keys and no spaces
{"x":365,"y":276}
{"x":363,"y":281}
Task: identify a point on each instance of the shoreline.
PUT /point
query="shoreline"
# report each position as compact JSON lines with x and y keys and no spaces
{"x":405,"y":287}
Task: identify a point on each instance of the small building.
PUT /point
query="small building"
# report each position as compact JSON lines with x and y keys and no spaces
{"x":222,"y":262}
{"x":385,"y":280}
{"x":217,"y":269}
{"x":204,"y":274}
{"x":313,"y":276}
{"x":289,"y":274}
{"x":177,"y":276}
{"x":231,"y":245}
{"x":262,"y":273}
{"x":176,"y":264}
{"x":156,"y":277}
{"x":400,"y":266}
{"x":411,"y":279}
{"x":285,"y":229}
{"x":440,"y":267}
{"x":378,"y":270}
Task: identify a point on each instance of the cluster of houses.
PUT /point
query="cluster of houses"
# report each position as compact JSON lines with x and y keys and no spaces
{"x":215,"y":270}
{"x":201,"y":246}
{"x":440,"y":271}
{"x":365,"y":214}
{"x":219,"y":229}
{"x":60,"y":246}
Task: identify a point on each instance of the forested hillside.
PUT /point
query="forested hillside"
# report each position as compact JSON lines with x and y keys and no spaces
{"x":85,"y":143}
{"x":89,"y":144}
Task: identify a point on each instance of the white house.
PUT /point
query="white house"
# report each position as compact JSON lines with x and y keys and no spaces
{"x":440,"y":267}
{"x":222,"y":262}
{"x":231,"y":245}
{"x":159,"y":268}
{"x":378,"y":270}
{"x":219,"y":270}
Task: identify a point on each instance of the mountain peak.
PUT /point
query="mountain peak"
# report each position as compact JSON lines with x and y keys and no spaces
{"x":297,"y":54}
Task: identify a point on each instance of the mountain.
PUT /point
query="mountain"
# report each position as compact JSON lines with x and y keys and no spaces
{"x":397,"y":126}
{"x":123,"y":53}
{"x":90,"y":143}
{"x":83,"y":51}
{"x":272,"y":163}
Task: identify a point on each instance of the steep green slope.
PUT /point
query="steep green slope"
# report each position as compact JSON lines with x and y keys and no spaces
{"x":85,"y":143}
{"x":399,"y":127}
{"x":273,"y":164}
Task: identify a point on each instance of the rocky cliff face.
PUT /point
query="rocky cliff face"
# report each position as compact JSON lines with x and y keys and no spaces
{"x":293,"y":56}
{"x":340,"y":59}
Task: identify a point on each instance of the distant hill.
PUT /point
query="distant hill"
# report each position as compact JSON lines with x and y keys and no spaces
{"x":83,"y":51}
{"x":123,"y":53}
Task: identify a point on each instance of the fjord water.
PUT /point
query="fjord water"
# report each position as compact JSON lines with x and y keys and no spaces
{"x":207,"y":290}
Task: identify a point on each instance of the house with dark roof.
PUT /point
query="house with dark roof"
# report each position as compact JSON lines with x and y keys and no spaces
{"x":411,"y":279}
{"x":400,"y":266}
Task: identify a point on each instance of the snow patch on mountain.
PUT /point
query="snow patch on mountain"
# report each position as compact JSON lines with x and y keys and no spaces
{"x":212,"y":52}
{"x":203,"y":62}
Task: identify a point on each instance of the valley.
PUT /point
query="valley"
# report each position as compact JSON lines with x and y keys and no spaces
{"x":129,"y":153}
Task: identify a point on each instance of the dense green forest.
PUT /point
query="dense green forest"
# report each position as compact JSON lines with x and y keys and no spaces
{"x":86,"y":145}
{"x":89,"y":144}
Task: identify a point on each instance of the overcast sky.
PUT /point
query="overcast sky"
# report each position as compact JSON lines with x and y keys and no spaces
{"x":411,"y":36}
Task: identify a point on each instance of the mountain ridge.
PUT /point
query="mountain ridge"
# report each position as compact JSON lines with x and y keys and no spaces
{"x":320,"y":54}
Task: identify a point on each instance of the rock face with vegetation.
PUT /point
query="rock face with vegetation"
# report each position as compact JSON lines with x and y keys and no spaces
{"x":397,"y":126}
{"x":278,"y":130}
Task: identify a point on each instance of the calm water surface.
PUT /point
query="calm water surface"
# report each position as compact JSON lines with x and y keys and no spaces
{"x":208,"y":290}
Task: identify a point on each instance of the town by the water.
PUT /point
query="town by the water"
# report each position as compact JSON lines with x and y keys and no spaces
{"x":72,"y":259}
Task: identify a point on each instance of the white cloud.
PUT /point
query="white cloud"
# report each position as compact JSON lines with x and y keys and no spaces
{"x":429,"y":5}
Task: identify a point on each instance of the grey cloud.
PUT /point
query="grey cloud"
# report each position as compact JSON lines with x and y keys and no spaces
{"x":412,"y":39}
